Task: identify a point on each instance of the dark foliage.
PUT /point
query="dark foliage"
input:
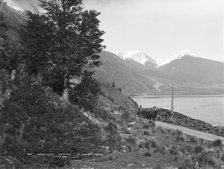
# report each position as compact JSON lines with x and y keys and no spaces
{"x":55,"y":46}
{"x":33,"y":123}
{"x":86,"y":93}
{"x":217,"y":143}
{"x":198,"y":149}
{"x":113,"y":138}
{"x":60,"y":43}
{"x":38,"y":40}
{"x":9,"y":51}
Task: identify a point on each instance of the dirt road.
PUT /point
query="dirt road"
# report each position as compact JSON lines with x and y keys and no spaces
{"x":199,"y":134}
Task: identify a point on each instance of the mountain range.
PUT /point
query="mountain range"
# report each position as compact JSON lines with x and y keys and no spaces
{"x":138,"y":74}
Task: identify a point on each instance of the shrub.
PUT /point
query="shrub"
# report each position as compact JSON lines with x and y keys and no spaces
{"x":113,"y":139}
{"x":141,"y":144}
{"x":146,"y":126}
{"x":162,"y":150}
{"x":113,"y":84}
{"x":153,"y":144}
{"x":111,"y":128}
{"x":187,"y":149}
{"x":85,"y":94}
{"x":173,"y":133}
{"x":111,"y":99}
{"x":222,"y":157}
{"x":131,"y":140}
{"x":131,"y":143}
{"x":179,"y":132}
{"x":157,"y":167}
{"x":147,"y":144}
{"x":175,"y":158}
{"x":125,"y":116}
{"x":125,"y":130}
{"x":193,"y":139}
{"x":148,"y":154}
{"x":102,"y":113}
{"x":188,"y":163}
{"x":146,"y":133}
{"x":173,"y":150}
{"x":120,"y":89}
{"x":161,"y":130}
{"x":217,"y":143}
{"x":207,"y":158}
{"x":180,"y":138}
{"x":198,"y":149}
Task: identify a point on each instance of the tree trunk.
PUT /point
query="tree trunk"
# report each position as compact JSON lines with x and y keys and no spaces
{"x":13,"y":75}
{"x":65,"y":96}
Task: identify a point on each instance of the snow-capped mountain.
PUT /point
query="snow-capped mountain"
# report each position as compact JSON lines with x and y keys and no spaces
{"x":192,"y":75}
{"x":137,"y":56}
{"x":179,"y":55}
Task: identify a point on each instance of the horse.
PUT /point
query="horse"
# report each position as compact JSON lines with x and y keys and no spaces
{"x":148,"y":114}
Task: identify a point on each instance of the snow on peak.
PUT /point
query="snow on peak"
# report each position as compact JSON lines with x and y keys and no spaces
{"x":137,"y":56}
{"x":179,"y":55}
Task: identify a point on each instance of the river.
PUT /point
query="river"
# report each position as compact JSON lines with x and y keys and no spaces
{"x":208,"y":108}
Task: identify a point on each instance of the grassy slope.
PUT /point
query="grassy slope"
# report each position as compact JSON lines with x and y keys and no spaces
{"x":155,"y":147}
{"x":146,"y":146}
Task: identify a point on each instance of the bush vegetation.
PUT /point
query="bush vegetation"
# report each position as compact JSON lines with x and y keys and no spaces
{"x":148,"y":154}
{"x":222,"y":157}
{"x":198,"y":149}
{"x":33,"y":124}
{"x":217,"y":143}
{"x":51,"y":52}
{"x":113,"y":139}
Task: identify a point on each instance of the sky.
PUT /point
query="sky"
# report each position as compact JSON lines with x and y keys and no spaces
{"x":160,"y":28}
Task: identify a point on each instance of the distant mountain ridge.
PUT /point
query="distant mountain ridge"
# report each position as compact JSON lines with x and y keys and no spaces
{"x":179,"y":55}
{"x":195,"y":69}
{"x":191,"y":75}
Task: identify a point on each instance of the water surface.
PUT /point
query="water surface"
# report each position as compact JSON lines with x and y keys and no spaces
{"x":208,"y":108}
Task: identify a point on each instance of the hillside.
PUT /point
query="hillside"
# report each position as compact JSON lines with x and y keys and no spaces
{"x":123,"y":75}
{"x":194,"y":69}
{"x":134,"y":143}
{"x":13,"y":19}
